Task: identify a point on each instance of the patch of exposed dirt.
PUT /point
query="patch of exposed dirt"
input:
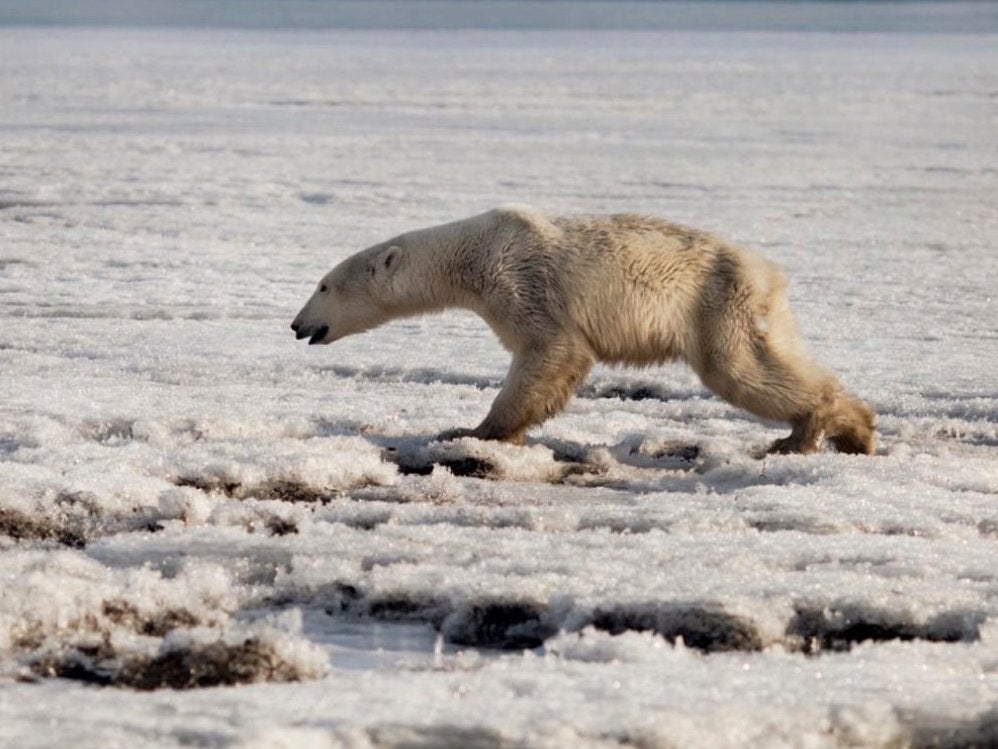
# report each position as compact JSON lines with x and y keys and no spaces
{"x":282,"y":491}
{"x":156,"y":625}
{"x":210,"y":665}
{"x":24,"y":527}
{"x":508,"y":625}
{"x":205,"y":665}
{"x":819,"y":630}
{"x":705,"y":628}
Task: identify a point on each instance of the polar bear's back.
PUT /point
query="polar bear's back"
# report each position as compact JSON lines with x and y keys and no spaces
{"x":639,"y":289}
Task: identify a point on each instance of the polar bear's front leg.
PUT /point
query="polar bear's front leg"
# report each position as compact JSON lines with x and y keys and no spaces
{"x":539,"y":384}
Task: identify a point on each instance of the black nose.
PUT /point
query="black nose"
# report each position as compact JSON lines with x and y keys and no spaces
{"x":295,"y":325}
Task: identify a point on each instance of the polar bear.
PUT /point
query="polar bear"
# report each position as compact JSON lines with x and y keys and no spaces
{"x":562,"y":293}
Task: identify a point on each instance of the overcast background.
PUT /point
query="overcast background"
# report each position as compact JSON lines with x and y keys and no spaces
{"x":954,"y":17}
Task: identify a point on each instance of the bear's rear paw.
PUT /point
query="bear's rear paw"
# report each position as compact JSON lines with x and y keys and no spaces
{"x":793,"y":444}
{"x":454,"y":434}
{"x":783,"y":446}
{"x":481,"y":433}
{"x":852,"y":430}
{"x":854,"y":443}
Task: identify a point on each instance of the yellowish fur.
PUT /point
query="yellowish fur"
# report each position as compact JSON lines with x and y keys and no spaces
{"x":564,"y":293}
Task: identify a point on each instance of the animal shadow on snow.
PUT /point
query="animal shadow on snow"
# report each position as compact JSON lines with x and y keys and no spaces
{"x":631,"y":463}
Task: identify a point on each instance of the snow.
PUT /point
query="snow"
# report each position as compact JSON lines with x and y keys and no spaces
{"x":180,"y":482}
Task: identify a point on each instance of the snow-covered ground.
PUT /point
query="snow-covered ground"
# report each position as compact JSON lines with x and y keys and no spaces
{"x":188,"y":496}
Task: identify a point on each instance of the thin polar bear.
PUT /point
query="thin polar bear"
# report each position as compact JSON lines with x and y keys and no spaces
{"x":565,"y":292}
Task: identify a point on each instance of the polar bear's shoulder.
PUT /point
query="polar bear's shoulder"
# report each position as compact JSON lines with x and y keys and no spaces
{"x":520,"y":216}
{"x":515,"y":224}
{"x":521,"y":212}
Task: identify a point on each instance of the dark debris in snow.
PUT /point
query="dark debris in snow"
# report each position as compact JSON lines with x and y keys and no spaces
{"x":201,"y":665}
{"x":818,"y":630}
{"x":702,"y":627}
{"x":20,"y":526}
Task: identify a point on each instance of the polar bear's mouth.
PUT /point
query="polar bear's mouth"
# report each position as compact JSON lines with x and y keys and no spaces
{"x":318,"y":335}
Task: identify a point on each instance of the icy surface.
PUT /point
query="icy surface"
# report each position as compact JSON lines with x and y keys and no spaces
{"x":182,"y":486}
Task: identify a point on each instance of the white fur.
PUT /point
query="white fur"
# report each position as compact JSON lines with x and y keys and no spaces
{"x":563,"y":293}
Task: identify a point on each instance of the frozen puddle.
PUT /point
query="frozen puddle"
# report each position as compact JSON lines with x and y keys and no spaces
{"x":372,"y":645}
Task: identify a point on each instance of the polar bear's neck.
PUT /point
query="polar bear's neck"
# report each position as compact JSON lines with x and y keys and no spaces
{"x":442,"y":267}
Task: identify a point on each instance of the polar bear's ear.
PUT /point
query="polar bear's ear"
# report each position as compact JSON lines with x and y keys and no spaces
{"x":387,"y":261}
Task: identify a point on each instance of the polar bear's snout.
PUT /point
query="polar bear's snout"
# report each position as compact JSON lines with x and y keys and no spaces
{"x":319,"y":336}
{"x":311,"y":322}
{"x":314,"y":333}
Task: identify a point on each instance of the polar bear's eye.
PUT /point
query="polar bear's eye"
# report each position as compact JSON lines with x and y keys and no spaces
{"x":323,"y":289}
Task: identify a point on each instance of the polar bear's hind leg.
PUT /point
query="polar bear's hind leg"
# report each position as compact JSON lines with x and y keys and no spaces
{"x":752,"y":357}
{"x":811,"y":401}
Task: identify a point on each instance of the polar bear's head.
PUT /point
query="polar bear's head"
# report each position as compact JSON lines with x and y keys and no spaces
{"x":353,"y":297}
